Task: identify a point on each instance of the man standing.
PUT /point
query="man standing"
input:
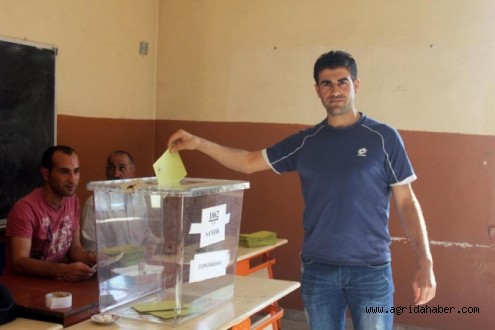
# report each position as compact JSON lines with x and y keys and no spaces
{"x":42,"y":232}
{"x":350,"y":165}
{"x":120,"y":165}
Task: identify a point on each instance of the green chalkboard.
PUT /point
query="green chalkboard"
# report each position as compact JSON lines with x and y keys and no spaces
{"x":27,"y":116}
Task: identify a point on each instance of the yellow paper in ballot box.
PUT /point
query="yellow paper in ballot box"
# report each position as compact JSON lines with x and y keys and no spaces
{"x":169,"y":169}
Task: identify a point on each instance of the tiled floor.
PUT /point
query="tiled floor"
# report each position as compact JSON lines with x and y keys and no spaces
{"x":294,"y":325}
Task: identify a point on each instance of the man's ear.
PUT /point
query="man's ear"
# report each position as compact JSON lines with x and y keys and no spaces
{"x":45,"y":173}
{"x":356,"y":84}
{"x":317,"y":90}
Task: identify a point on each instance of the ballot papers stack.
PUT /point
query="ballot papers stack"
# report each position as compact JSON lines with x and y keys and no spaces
{"x":259,"y":238}
{"x":166,"y":254}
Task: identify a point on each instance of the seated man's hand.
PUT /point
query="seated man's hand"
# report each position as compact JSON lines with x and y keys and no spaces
{"x":76,"y":271}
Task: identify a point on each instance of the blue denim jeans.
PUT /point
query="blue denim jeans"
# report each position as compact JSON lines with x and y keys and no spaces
{"x":328,"y":290}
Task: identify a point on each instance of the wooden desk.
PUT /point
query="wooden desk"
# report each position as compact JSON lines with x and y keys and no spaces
{"x":29,"y":292}
{"x":258,"y":261}
{"x":27,"y":324}
{"x":252,"y":294}
{"x":251,"y":260}
{"x":29,"y":295}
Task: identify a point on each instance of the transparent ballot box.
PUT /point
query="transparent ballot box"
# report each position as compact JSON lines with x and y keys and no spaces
{"x":166,"y":254}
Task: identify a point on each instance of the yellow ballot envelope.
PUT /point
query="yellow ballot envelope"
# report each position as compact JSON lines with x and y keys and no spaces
{"x":169,"y":169}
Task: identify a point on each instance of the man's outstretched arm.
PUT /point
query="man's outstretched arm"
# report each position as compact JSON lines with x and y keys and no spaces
{"x":235,"y":159}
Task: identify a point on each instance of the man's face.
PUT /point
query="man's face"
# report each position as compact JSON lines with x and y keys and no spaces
{"x":336,"y":90}
{"x":63,"y":178}
{"x":119,"y":167}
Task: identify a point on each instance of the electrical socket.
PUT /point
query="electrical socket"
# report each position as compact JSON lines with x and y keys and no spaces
{"x":143,"y":48}
{"x":491,"y":232}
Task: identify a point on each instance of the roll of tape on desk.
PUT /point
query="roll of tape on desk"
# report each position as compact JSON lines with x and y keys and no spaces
{"x":54,"y":300}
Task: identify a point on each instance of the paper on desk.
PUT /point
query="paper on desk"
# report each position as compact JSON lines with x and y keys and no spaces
{"x":169,"y":169}
{"x":136,"y":270}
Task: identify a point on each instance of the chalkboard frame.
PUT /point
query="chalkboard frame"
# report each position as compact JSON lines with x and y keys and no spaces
{"x":27,"y":116}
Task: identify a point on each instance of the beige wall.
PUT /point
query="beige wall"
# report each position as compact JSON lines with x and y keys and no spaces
{"x":424,"y":65}
{"x":100,"y":72}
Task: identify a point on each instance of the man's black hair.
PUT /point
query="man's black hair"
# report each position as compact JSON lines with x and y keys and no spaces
{"x":46,"y":160}
{"x":335,"y":59}
{"x":123,"y":152}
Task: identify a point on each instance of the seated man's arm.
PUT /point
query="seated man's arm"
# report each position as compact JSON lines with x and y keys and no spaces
{"x":22,"y":263}
{"x":78,"y":253}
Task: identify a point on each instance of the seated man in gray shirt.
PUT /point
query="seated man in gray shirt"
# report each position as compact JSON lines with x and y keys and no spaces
{"x":120,"y":165}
